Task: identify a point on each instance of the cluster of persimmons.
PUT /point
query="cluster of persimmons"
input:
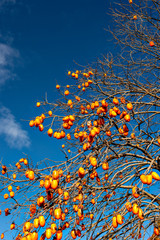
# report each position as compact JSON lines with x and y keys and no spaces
{"x":65,"y":196}
{"x":103,"y":188}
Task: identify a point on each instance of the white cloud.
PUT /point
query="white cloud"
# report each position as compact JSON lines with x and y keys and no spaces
{"x":12,"y":131}
{"x":7,"y":55}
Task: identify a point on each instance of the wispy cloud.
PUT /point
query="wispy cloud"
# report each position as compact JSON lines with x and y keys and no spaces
{"x":11,"y":130}
{"x":2,"y":2}
{"x":7,"y":55}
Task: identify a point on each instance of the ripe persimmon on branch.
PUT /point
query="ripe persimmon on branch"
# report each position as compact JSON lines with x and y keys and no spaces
{"x":106,"y":185}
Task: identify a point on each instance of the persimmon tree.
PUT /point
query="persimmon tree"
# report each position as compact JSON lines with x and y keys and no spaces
{"x":107,"y":123}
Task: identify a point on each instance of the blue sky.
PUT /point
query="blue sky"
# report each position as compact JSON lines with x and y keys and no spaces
{"x":39,"y":43}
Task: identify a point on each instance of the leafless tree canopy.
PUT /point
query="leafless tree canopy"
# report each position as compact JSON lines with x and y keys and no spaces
{"x":107,"y":184}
